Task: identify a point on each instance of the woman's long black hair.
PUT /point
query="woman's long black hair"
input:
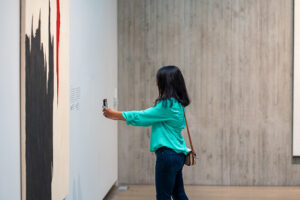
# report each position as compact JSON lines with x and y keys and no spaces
{"x":171,"y":83}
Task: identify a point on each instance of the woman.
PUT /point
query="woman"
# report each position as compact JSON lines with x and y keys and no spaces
{"x":167,"y":120}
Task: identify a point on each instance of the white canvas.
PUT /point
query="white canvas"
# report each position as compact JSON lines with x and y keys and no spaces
{"x":45,"y":98}
{"x":296,"y":105}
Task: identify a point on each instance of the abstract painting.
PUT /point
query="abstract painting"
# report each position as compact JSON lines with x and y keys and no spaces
{"x":45,"y":99}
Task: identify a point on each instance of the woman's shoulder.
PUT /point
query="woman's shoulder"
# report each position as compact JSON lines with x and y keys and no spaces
{"x":171,"y":102}
{"x":177,"y":111}
{"x":176,"y":103}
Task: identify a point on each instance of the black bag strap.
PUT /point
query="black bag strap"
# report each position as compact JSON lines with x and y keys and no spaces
{"x":187,"y":127}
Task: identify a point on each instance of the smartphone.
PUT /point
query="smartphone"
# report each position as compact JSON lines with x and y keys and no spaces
{"x":104,"y":105}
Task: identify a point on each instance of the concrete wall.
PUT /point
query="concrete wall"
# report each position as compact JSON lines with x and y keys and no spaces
{"x":236,"y":57}
{"x":93,"y":76}
{"x":10,"y":100}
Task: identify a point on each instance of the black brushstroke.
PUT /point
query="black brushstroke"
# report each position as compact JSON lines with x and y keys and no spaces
{"x":39,"y":115}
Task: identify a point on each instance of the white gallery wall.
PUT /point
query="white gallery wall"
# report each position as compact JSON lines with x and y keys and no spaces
{"x":10,"y":100}
{"x":93,"y":76}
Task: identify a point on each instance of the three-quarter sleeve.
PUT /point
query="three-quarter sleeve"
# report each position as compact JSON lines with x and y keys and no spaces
{"x":147,"y":117}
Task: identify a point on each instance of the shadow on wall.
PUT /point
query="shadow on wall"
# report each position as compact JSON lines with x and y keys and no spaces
{"x":77,"y":194}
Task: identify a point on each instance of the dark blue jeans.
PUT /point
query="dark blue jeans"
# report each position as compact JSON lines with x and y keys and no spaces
{"x":168,"y":175}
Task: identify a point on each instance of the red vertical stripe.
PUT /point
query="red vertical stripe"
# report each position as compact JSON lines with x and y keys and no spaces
{"x":57,"y":44}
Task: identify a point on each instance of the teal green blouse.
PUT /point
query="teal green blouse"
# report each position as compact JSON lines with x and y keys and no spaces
{"x":167,"y":121}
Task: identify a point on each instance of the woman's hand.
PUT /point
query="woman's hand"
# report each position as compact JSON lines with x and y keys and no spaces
{"x":109,"y":113}
{"x":112,"y":114}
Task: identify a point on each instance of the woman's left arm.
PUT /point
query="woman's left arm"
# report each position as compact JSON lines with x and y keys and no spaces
{"x":113,"y":114}
{"x":146,"y":117}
